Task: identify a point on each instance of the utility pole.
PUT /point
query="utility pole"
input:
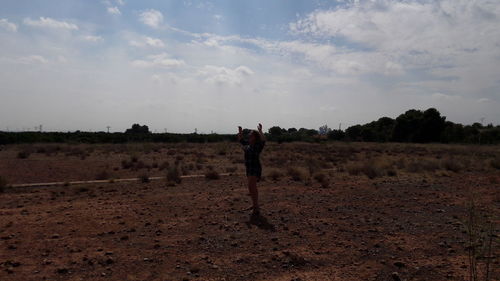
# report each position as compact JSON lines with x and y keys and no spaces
{"x":109,"y":127}
{"x":40,"y":128}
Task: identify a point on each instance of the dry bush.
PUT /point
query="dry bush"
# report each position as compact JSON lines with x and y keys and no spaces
{"x":319,"y":177}
{"x":231,"y":169}
{"x":313,"y":165}
{"x":274,"y":174}
{"x":164,"y":165}
{"x":422,"y":165}
{"x":451,"y":164}
{"x":174,"y":175}
{"x":212,"y":174}
{"x":184,"y":170}
{"x":495,"y":162}
{"x":103,"y":175}
{"x":296,"y":174}
{"x":134,"y":158}
{"x":322,"y":179}
{"x":144,"y":178}
{"x":126,"y":164}
{"x":24,"y":154}
{"x":369,"y":168}
{"x":139,"y":165}
{"x":392,"y":172}
{"x":222,"y":149}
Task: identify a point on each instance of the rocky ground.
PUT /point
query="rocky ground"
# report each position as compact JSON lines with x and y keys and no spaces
{"x":400,"y":228}
{"x":344,"y":212}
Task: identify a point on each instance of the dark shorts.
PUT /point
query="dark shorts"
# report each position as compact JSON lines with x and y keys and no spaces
{"x":254,"y":171}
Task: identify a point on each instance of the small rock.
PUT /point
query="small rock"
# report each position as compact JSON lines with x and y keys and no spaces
{"x":395,"y":276}
{"x":62,"y":270}
{"x":399,"y":264}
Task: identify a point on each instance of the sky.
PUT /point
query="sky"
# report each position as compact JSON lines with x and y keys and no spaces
{"x":213,"y":65}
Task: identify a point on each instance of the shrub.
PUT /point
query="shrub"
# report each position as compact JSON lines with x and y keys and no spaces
{"x":451,"y":164}
{"x":368,"y":168}
{"x":296,"y":174}
{"x":392,"y":172}
{"x":23,"y":154}
{"x":104,"y":175}
{"x":164,"y":165}
{"x":322,"y":179}
{"x":174,"y":175}
{"x":275,"y":174}
{"x":495,"y":162}
{"x":126,"y":164}
{"x":421,"y":165}
{"x":3,"y":184}
{"x":313,"y":166}
{"x":231,"y":169}
{"x":144,"y":178}
{"x":212,"y":174}
{"x":134,"y":158}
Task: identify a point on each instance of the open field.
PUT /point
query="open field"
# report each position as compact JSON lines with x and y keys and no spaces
{"x":331,"y":211}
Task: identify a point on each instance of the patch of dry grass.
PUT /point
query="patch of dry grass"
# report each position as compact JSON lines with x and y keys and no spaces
{"x":296,"y":173}
{"x":275,"y":174}
{"x":173,"y":175}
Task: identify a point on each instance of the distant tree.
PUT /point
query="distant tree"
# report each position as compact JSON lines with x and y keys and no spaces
{"x":354,"y":132}
{"x":432,"y":126}
{"x":138,"y":129}
{"x":291,"y":130}
{"x":308,"y":132}
{"x":275,"y":131}
{"x":336,"y":135}
{"x":407,"y":126}
{"x":324,"y":130}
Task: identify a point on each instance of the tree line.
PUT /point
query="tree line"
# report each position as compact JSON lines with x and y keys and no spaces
{"x":412,"y":126}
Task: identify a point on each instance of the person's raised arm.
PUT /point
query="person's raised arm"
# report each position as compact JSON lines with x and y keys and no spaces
{"x":262,"y":136}
{"x":240,"y":133}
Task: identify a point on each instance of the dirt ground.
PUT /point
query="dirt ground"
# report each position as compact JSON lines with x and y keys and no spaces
{"x":400,"y":221}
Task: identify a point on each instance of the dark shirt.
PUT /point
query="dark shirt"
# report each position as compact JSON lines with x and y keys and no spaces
{"x":252,"y":153}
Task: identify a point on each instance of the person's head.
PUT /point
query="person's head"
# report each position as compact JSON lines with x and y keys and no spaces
{"x":254,"y":137}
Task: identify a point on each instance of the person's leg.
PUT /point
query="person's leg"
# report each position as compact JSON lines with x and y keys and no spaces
{"x":254,"y":193}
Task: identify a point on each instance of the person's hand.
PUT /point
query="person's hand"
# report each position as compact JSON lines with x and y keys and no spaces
{"x":259,"y":127}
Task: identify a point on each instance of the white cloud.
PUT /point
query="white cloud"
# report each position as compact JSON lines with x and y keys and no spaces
{"x":414,"y":32}
{"x":32,"y":59}
{"x":160,"y":60}
{"x":92,"y":38}
{"x":5,"y":24}
{"x":50,"y":23}
{"x":444,"y":97}
{"x":120,"y":2}
{"x":147,"y":42}
{"x":152,"y":18}
{"x":222,"y":75}
{"x":114,"y":10}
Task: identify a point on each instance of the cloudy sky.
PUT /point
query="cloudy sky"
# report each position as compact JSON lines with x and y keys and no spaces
{"x":213,"y":65}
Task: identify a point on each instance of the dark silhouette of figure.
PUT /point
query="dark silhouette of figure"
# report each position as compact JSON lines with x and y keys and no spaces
{"x":252,"y":149}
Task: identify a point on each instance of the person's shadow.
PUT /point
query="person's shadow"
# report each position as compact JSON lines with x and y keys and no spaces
{"x":261,"y":222}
